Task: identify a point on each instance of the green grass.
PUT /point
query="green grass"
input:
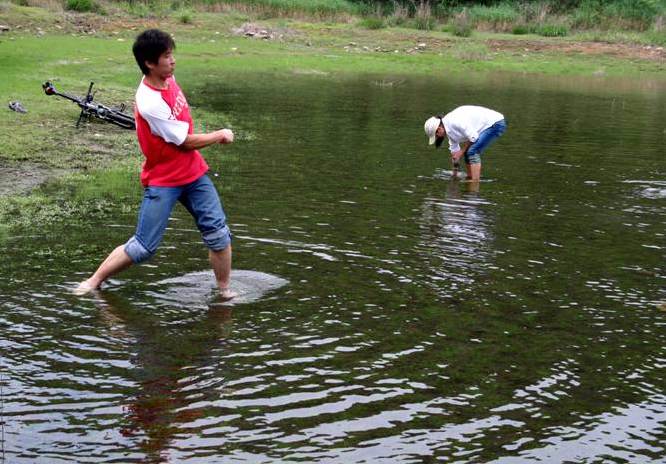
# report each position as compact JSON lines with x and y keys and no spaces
{"x":500,"y":17}
{"x":275,"y":8}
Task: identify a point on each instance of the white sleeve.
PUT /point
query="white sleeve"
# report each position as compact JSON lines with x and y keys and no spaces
{"x":162,"y":123}
{"x":453,"y":146}
{"x":454,"y":133}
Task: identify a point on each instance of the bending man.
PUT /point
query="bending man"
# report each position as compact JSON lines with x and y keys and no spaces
{"x":470,"y":129}
{"x":173,"y":169}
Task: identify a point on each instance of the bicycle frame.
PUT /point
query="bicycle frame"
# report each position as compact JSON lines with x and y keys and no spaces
{"x":88,"y":108}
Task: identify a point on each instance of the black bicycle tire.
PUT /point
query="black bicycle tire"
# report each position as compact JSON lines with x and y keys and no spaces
{"x":120,"y":119}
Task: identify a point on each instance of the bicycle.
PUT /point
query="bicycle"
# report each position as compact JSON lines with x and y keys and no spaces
{"x":115,"y":116}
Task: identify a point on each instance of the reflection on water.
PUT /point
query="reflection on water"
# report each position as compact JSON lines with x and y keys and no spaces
{"x":415,"y":318}
{"x":456,"y":237}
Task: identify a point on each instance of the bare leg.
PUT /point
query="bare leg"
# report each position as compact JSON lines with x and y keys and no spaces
{"x":113,"y":264}
{"x":472,"y":187}
{"x":474,"y":172}
{"x":220,"y":261}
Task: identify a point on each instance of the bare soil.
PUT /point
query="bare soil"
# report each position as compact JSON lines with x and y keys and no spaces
{"x":20,"y":179}
{"x":617,"y":50}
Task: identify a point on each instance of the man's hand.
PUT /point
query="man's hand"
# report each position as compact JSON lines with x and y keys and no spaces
{"x":226,"y":136}
{"x":456,"y":155}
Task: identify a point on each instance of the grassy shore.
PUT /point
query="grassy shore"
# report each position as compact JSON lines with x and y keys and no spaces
{"x":73,"y":49}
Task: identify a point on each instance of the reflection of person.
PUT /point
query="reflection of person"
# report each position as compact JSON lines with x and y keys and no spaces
{"x":164,"y":364}
{"x":470,"y":129}
{"x":455,"y":238}
{"x":173,"y":169}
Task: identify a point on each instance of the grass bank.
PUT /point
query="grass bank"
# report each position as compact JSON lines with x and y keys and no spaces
{"x":73,"y":49}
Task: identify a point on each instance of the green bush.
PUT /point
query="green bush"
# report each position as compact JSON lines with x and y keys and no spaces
{"x":520,"y":29}
{"x":424,"y":24}
{"x":552,"y":30}
{"x":461,"y":28}
{"x":634,"y":10}
{"x":320,"y":8}
{"x":423,"y":18}
{"x":496,"y":15}
{"x":81,"y":6}
{"x":586,"y":15}
{"x":372,"y":23}
{"x":626,"y":14}
{"x":657,"y":37}
{"x":185,"y":17}
{"x":461,"y":25}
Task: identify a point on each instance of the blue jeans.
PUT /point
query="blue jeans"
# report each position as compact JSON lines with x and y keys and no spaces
{"x":473,"y":154}
{"x":202,"y":201}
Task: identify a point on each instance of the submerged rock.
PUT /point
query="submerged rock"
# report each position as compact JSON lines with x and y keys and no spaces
{"x":200,"y":289}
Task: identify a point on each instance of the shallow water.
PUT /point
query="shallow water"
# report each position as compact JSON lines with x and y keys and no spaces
{"x":399,"y":317}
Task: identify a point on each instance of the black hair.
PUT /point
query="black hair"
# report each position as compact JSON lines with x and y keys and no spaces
{"x":439,"y":140}
{"x":149,"y":46}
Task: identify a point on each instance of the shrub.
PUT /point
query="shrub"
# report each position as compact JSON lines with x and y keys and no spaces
{"x":399,"y":16}
{"x":280,"y":8}
{"x":185,"y":17}
{"x":625,"y":14}
{"x":423,"y":16}
{"x":535,"y":12}
{"x":498,"y":17}
{"x":520,"y":29}
{"x":372,"y":23}
{"x":552,"y":30}
{"x":585,"y":16}
{"x":633,"y":10}
{"x":461,"y":29}
{"x":461,"y":25}
{"x":81,"y":6}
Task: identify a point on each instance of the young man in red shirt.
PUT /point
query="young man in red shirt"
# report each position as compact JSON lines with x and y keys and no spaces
{"x":173,"y":169}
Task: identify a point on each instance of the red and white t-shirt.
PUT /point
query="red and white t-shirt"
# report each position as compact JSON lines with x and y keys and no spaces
{"x":163,"y":121}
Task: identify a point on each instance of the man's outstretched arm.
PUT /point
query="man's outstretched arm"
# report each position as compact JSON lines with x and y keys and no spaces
{"x":196,"y":141}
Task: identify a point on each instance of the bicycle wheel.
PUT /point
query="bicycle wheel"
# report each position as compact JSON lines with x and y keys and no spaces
{"x":120,"y":119}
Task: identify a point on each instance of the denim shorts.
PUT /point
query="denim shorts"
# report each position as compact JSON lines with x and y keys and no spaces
{"x":473,"y":154}
{"x":200,"y":198}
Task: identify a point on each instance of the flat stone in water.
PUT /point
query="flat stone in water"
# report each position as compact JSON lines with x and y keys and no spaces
{"x":654,"y":193}
{"x":200,"y":288}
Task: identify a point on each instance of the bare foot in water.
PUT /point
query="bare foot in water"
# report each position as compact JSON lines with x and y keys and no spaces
{"x":84,"y":288}
{"x":227,"y":294}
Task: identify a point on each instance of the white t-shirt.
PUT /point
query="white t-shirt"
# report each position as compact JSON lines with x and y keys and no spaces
{"x":159,"y":115}
{"x":465,"y":123}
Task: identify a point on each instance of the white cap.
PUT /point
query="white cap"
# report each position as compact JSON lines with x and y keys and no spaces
{"x":430,"y":127}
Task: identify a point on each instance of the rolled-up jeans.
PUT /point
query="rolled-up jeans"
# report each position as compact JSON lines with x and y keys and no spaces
{"x":200,"y":198}
{"x":473,"y":154}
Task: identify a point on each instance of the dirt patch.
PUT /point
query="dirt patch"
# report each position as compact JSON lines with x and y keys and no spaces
{"x":626,"y":51}
{"x":20,"y":179}
{"x":257,"y":31}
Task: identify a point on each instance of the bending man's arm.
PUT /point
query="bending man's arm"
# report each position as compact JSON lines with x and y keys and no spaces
{"x":456,"y":155}
{"x":196,"y":141}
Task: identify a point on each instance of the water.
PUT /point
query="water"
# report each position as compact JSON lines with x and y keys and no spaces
{"x":400,"y":316}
